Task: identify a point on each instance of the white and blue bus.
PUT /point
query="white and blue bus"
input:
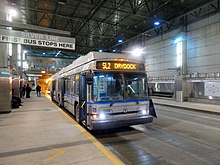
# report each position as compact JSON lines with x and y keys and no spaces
{"x":104,"y":90}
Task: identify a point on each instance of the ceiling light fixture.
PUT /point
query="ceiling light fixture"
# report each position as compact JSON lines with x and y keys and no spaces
{"x":156,"y":23}
{"x":120,"y":41}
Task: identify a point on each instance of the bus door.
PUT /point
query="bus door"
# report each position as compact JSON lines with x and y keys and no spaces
{"x":82,"y":98}
{"x":63,"y":88}
{"x":52,"y":89}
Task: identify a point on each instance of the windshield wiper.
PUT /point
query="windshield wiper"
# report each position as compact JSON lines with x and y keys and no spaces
{"x":112,"y":103}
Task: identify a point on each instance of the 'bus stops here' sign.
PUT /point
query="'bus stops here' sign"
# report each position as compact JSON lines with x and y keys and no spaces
{"x":36,"y":39}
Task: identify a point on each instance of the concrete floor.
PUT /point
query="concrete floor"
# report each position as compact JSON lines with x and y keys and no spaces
{"x":177,"y":137}
{"x":39,"y":133}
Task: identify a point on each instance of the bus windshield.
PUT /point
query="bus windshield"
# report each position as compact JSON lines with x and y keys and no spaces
{"x":119,"y":86}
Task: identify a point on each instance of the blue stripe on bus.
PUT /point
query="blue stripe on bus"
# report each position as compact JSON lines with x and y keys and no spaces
{"x":116,"y":102}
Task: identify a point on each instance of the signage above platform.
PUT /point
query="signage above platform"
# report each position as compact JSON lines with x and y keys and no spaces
{"x":36,"y":39}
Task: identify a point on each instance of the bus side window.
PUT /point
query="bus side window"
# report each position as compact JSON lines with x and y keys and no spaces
{"x":73,"y":83}
{"x":76,"y":85}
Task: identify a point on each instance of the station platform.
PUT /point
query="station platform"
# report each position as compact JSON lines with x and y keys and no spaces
{"x":209,"y":108}
{"x":39,"y":133}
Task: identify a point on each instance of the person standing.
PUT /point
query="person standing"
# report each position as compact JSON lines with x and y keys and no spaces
{"x":28,"y":91}
{"x":23,"y":91}
{"x":20,"y":91}
{"x":38,"y":90}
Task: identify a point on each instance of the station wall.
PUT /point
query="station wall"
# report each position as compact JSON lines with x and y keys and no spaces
{"x":203,"y":52}
{"x":161,"y":55}
{"x":203,"y":49}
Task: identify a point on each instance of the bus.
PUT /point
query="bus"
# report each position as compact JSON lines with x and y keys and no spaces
{"x":104,"y":90}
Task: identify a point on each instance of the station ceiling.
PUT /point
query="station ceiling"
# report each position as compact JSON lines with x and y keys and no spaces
{"x":99,"y":24}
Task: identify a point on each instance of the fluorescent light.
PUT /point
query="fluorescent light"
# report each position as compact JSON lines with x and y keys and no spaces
{"x":156,"y":23}
{"x":8,"y":18}
{"x":34,"y":75}
{"x":57,"y":53}
{"x":25,"y":65}
{"x":19,"y":63}
{"x":13,"y":12}
{"x":10,"y":49}
{"x":178,"y":39}
{"x":23,"y":56}
{"x":179,"y":52}
{"x":19,"y":51}
{"x":137,"y":52}
{"x":120,"y":41}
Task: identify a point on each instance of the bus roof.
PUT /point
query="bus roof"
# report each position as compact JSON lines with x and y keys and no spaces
{"x":93,"y":56}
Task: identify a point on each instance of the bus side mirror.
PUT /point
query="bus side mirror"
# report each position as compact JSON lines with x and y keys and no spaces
{"x":89,"y":78}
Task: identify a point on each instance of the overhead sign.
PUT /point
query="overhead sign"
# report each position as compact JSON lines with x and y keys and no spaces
{"x":36,"y":39}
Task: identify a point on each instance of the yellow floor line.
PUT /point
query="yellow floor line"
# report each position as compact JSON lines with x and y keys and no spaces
{"x":60,"y":152}
{"x":112,"y":157}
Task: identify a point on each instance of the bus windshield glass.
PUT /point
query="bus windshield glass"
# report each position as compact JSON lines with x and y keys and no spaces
{"x":119,"y":86}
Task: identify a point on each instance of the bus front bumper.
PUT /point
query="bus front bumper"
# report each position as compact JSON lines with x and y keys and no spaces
{"x":108,"y":124}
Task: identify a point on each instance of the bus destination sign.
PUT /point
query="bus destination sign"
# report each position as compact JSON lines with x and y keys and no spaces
{"x":115,"y":65}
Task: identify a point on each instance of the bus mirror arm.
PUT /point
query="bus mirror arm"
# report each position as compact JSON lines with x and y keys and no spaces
{"x":89,"y":78}
{"x":152,"y":111}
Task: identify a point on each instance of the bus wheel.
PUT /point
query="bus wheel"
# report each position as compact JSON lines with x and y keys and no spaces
{"x":77,"y":114}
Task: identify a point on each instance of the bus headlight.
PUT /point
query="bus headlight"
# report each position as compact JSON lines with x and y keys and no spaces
{"x":102,"y":116}
{"x":144,"y":112}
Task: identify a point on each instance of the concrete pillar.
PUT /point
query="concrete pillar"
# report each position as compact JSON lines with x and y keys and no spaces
{"x":5,"y":86}
{"x":5,"y":75}
{"x":3,"y":55}
{"x":3,"y":46}
{"x":181,"y":86}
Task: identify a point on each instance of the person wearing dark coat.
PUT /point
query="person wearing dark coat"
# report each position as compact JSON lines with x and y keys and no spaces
{"x":28,"y":91}
{"x":38,"y":89}
{"x":15,"y":101}
{"x":23,"y":91}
